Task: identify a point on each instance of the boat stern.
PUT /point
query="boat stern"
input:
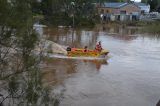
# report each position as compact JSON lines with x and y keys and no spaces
{"x":104,"y":53}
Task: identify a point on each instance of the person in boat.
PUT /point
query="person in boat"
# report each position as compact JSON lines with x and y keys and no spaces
{"x":98,"y":47}
{"x":85,"y":49}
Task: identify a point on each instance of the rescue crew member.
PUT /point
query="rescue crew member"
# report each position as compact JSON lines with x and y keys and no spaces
{"x":98,"y":46}
{"x":85,"y":49}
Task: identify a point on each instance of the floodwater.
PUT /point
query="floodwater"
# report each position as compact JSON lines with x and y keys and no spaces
{"x":129,"y":77}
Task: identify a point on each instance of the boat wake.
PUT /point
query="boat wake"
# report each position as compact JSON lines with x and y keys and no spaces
{"x":59,"y":51}
{"x":76,"y":58}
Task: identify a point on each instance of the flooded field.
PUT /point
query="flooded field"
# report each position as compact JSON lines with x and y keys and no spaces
{"x":129,"y":77}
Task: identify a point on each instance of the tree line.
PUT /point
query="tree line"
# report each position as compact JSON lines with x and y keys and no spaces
{"x":154,"y":4}
{"x":62,"y":12}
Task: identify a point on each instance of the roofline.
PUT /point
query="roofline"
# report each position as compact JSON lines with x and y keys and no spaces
{"x":121,"y":6}
{"x":109,"y":7}
{"x":136,"y":5}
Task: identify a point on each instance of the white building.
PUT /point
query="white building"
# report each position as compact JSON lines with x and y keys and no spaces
{"x":145,"y":8}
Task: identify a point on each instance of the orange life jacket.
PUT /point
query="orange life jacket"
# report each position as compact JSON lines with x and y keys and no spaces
{"x":98,"y":47}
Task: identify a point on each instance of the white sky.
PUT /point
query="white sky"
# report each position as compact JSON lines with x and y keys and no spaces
{"x":136,"y":0}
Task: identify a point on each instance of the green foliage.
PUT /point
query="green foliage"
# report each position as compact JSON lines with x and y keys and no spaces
{"x":102,"y":1}
{"x":19,"y":70}
{"x":60,"y":12}
{"x":152,"y":27}
{"x":60,"y":18}
{"x":86,"y":22}
{"x":13,"y":85}
{"x":153,"y":4}
{"x":117,"y":0}
{"x":144,"y":1}
{"x":36,"y":7}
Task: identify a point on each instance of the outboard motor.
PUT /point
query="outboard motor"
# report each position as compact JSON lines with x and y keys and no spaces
{"x":68,"y":48}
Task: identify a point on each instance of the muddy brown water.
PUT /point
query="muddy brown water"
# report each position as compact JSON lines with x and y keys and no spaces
{"x":130,"y":77}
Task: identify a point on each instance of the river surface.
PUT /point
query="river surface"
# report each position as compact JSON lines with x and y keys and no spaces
{"x":129,"y":77}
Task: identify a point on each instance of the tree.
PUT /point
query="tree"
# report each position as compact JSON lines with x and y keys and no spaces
{"x":144,"y":1}
{"x":60,"y":12}
{"x":19,"y":66}
{"x":153,"y":4}
{"x":117,"y":0}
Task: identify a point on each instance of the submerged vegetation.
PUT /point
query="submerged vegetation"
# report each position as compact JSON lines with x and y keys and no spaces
{"x":143,"y":26}
{"x":147,"y":26}
{"x":153,"y":27}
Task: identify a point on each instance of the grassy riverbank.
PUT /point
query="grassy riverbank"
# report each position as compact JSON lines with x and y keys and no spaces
{"x":144,"y":26}
{"x":153,"y":27}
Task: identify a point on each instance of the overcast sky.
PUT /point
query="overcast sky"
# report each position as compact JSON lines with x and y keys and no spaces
{"x":136,"y":0}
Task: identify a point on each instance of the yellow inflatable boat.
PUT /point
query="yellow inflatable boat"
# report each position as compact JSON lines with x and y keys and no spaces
{"x":79,"y":52}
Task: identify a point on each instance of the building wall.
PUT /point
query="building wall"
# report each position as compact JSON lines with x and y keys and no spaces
{"x":129,"y":9}
{"x":146,"y":9}
{"x":105,"y":10}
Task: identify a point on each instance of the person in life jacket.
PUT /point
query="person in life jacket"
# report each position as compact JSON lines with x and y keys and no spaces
{"x":98,"y":46}
{"x":85,"y":49}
